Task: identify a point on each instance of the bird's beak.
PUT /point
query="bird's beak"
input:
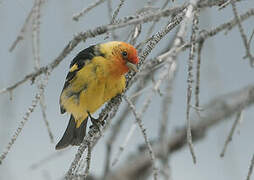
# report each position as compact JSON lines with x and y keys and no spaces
{"x":131,"y":66}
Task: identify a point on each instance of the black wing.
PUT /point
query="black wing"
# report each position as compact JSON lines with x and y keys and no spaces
{"x":82,"y":58}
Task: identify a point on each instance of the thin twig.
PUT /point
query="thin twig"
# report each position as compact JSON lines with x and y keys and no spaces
{"x":110,"y":10}
{"x":88,"y":160}
{"x":217,"y":110}
{"x":78,"y":15}
{"x":47,"y":159}
{"x":93,"y":135}
{"x":113,"y":19}
{"x":159,"y":35}
{"x":36,"y":33}
{"x":197,"y":88}
{"x":108,"y":157}
{"x":116,"y":128}
{"x":143,"y":130}
{"x":45,"y":119}
{"x":203,"y":36}
{"x":163,"y":131}
{"x":230,"y":135}
{"x":79,"y":171}
{"x":36,"y":55}
{"x":103,"y":29}
{"x":211,"y":3}
{"x":224,"y":4}
{"x":135,"y":34}
{"x":250,"y":168}
{"x":191,"y":13}
{"x":251,"y":36}
{"x":25,"y":119}
{"x":23,"y":30}
{"x":164,"y":74}
{"x":151,"y":28}
{"x":116,"y":12}
{"x":125,"y":142}
{"x":110,"y":13}
{"x":90,"y":34}
{"x":156,"y":86}
{"x":244,"y":38}
{"x":140,"y":92}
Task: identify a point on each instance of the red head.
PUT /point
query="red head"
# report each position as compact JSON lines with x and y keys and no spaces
{"x":129,"y":53}
{"x":124,"y":55}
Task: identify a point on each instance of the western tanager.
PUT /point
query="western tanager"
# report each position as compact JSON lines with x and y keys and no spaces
{"x":96,"y":75}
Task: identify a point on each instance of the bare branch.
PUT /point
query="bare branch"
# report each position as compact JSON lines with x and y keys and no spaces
{"x":125,"y":142}
{"x":88,"y":161}
{"x":244,"y":38}
{"x":44,"y":116}
{"x":193,"y":13}
{"x":48,"y":158}
{"x":110,"y":10}
{"x":229,"y":138}
{"x":143,"y":130}
{"x":197,"y":88}
{"x":163,"y":131}
{"x":251,"y":36}
{"x":250,"y":168}
{"x":78,"y":15}
{"x":224,"y":4}
{"x":116,"y":128}
{"x":116,"y":12}
{"x":93,"y":135}
{"x":36,"y":55}
{"x":22,"y":31}
{"x":24,"y":27}
{"x":24,"y":120}
{"x":103,"y":29}
{"x":216,"y":111}
{"x":89,"y":34}
{"x":135,"y":34}
{"x":163,"y":65}
{"x":159,"y":35}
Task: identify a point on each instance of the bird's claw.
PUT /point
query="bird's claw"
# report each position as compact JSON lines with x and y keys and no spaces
{"x":103,"y":120}
{"x":95,"y":122}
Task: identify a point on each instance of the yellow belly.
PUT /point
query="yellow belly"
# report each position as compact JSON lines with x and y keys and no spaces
{"x":100,"y":87}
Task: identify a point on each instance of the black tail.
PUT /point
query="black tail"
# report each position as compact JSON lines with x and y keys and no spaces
{"x":72,"y":135}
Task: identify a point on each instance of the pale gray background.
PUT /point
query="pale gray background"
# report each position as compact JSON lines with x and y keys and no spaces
{"x":223,"y":70}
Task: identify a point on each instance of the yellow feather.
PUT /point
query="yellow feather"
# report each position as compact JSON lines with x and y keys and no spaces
{"x":91,"y":87}
{"x":74,"y":67}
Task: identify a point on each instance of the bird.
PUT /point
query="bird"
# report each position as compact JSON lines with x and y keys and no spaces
{"x":96,"y":75}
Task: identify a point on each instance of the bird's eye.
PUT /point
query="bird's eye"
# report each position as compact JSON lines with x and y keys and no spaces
{"x":124,"y":53}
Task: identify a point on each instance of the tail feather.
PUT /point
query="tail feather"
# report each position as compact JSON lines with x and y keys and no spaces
{"x":72,"y":135}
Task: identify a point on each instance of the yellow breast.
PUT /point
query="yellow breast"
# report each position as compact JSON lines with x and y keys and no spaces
{"x":92,"y":86}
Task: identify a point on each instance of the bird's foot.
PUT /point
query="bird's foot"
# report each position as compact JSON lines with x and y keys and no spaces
{"x":95,"y":122}
{"x":104,"y":119}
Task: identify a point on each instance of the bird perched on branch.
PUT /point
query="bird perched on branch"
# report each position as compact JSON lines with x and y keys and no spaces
{"x":96,"y":75}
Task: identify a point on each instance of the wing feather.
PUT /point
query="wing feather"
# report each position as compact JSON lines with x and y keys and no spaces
{"x":83,"y":58}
